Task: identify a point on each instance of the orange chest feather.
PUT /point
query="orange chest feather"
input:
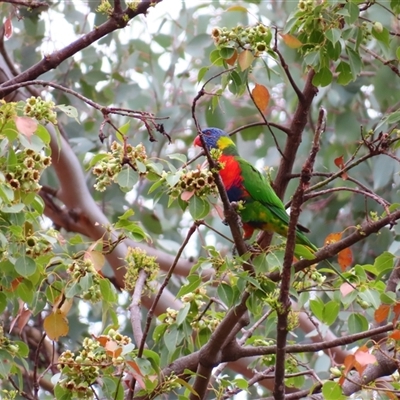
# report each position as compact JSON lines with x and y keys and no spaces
{"x":231,"y":172}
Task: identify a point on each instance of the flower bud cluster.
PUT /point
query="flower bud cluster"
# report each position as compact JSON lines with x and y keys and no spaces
{"x":8,"y":345}
{"x":170,"y":316}
{"x":137,"y":260}
{"x":199,"y":181}
{"x":37,"y":245}
{"x":256,"y":38}
{"x":80,"y":268}
{"x":40,"y":109}
{"x":108,"y":168}
{"x":80,"y":371}
{"x":315,"y":278}
{"x":306,"y":5}
{"x":7,"y":111}
{"x":24,"y":175}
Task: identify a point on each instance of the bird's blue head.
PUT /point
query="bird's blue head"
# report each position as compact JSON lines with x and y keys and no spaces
{"x":212,"y":138}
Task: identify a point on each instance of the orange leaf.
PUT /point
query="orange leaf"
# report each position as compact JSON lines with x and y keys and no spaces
{"x":339,"y":162}
{"x":66,"y":306}
{"x":381,"y":313}
{"x":102,"y":339}
{"x":261,"y":97}
{"x":396,"y":311}
{"x":26,"y":126}
{"x":333,"y":238}
{"x":14,"y":283}
{"x":395,"y":335}
{"x":113,"y":349}
{"x":245,"y":59}
{"x":55,"y":325}
{"x":348,"y":365}
{"x":23,"y":319}
{"x":232,"y":60}
{"x":8,"y":28}
{"x":291,"y":41}
{"x":345,"y":258}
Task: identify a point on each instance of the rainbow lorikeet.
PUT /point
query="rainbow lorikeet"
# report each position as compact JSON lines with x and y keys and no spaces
{"x":263,"y":209}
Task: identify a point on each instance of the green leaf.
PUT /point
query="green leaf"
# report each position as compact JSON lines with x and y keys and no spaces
{"x":107,"y":291}
{"x":15,"y":208}
{"x":225,"y":293}
{"x":38,"y":304}
{"x":172,"y":338}
{"x":332,"y":391}
{"x":70,"y":111}
{"x":323,"y":77}
{"x":354,"y":61}
{"x":25,"y":291}
{"x":25,"y":266}
{"x":371,"y":297}
{"x":216,"y":58}
{"x":353,"y":12}
{"x":331,"y":312}
{"x":357,"y":323}
{"x":182,"y":314}
{"x":127,"y":178}
{"x":227,"y":52}
{"x":3,"y":302}
{"x":43,"y":134}
{"x":345,"y":74}
{"x":333,"y":34}
{"x":194,"y":282}
{"x":384,"y":262}
{"x":122,"y":131}
{"x":6,"y":362}
{"x":98,"y":157}
{"x":317,"y":308}
{"x":198,"y":207}
{"x":383,"y":37}
{"x":178,"y":156}
{"x":201,"y":74}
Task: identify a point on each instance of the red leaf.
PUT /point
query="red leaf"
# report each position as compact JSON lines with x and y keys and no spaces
{"x":261,"y":97}
{"x":395,"y":335}
{"x":363,"y":358}
{"x":339,"y":162}
{"x":186,"y":196}
{"x":231,"y":61}
{"x":381,"y":313}
{"x":26,"y":126}
{"x":137,"y":374}
{"x":396,"y":311}
{"x":8,"y":28}
{"x":346,"y":288}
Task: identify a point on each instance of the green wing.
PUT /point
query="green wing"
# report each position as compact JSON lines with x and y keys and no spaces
{"x":263,"y":208}
{"x":261,"y":191}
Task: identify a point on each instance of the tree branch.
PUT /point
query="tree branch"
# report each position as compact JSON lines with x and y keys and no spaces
{"x":118,"y":21}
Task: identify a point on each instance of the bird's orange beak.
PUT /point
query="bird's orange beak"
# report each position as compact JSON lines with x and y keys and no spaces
{"x":197,"y":141}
